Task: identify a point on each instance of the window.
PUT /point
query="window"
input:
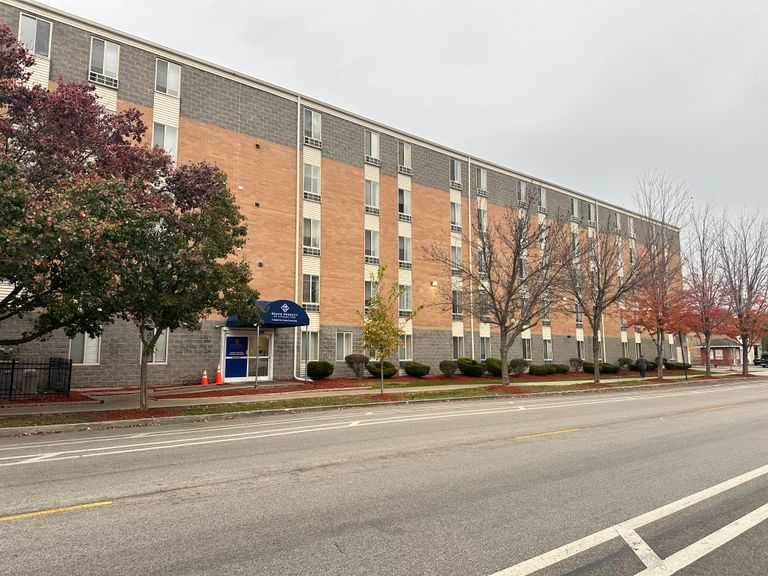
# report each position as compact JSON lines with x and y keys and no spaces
{"x":617,"y":221}
{"x":579,"y":315}
{"x":313,"y":125}
{"x":406,"y":300}
{"x":404,"y":204}
{"x":527,"y":355}
{"x":35,"y":34}
{"x":547,"y":350}
{"x":625,"y":349}
{"x":522,"y":193}
{"x":312,"y":182}
{"x":371,"y":247}
{"x":672,"y":355}
{"x":455,"y":217}
{"x":638,"y":349}
{"x":458,"y":347}
{"x":575,"y":243}
{"x":580,"y":349}
{"x":160,"y":352}
{"x":575,"y":208}
{"x":631,"y":222}
{"x":542,"y":199}
{"x":481,"y":175}
{"x":311,"y":289}
{"x":167,"y":77}
{"x":310,"y":346}
{"x":343,"y":345}
{"x":405,"y":351}
{"x":404,"y":252}
{"x":84,"y":349}
{"x":456,"y":260}
{"x":370,"y":292}
{"x":311,"y":243}
{"x":404,"y":158}
{"x":165,"y":137}
{"x":485,"y":347}
{"x":455,"y":172}
{"x":524,"y":267}
{"x":371,"y":197}
{"x":457,"y":304}
{"x":591,"y":211}
{"x":104,"y":61}
{"x":372,"y":148}
{"x":482,"y":221}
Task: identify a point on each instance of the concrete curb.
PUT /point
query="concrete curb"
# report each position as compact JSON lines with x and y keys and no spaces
{"x":117,"y":424}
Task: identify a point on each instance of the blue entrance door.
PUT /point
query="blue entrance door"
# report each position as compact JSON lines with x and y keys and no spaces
{"x":236,"y":357}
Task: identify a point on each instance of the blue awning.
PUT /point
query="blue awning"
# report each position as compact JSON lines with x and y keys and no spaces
{"x":276,"y":314}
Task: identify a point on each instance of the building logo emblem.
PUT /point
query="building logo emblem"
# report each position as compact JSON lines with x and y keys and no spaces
{"x":285,"y":308}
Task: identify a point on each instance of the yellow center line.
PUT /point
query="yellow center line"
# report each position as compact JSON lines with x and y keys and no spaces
{"x":55,"y":510}
{"x":528,"y":436}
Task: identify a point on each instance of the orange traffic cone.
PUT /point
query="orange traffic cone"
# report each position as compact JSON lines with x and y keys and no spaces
{"x":219,"y":380}
{"x":205,"y":378}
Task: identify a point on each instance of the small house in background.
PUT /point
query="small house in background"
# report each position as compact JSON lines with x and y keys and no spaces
{"x":723,"y":351}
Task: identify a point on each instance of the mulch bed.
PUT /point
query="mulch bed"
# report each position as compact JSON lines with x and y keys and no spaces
{"x":217,"y":392}
{"x":73,"y":397}
{"x":135,"y":414}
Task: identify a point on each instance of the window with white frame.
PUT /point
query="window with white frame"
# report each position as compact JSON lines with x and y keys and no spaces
{"x":547,"y":350}
{"x":527,"y":354}
{"x":404,"y":252}
{"x":631,"y":225}
{"x":579,"y":315}
{"x":372,"y":246}
{"x":167,"y":77}
{"x":455,"y":217}
{"x":404,"y":157}
{"x":580,"y":349}
{"x":313,"y":127}
{"x":456,"y":262}
{"x":454,"y":171}
{"x":311,"y":244}
{"x":371,"y":197}
{"x":372,"y":147}
{"x":343,"y":345}
{"x":458,"y":347}
{"x":165,"y":137}
{"x":311,"y":182}
{"x":672,"y":355}
{"x":370,"y":291}
{"x":625,"y":349}
{"x":406,"y":299}
{"x":638,"y":349}
{"x":617,"y":221}
{"x":310,"y":346}
{"x":482,"y":220}
{"x":405,"y":351}
{"x":481,"y":176}
{"x":160,"y":351}
{"x":35,"y":35}
{"x":591,"y":213}
{"x":310,"y":289}
{"x":404,"y":204}
{"x":105,"y":56}
{"x":522,"y":192}
{"x":457,"y":304}
{"x":84,"y":349}
{"x":485,"y":347}
{"x":542,"y":198}
{"x":575,"y":212}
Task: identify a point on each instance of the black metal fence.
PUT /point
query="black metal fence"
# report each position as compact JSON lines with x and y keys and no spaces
{"x":28,"y":379}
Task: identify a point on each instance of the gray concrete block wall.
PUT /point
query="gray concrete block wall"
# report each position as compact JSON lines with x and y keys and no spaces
{"x":70,"y":53}
{"x":137,"y":77}
{"x":328,"y":348}
{"x":558,"y":204}
{"x":502,"y":189}
{"x":432,"y":347}
{"x":388,"y":146}
{"x":10,"y":17}
{"x":430,"y":168}
{"x":283,"y":354}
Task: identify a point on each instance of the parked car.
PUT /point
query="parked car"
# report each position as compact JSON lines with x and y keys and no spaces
{"x":758,"y":361}
{"x":764,"y":360}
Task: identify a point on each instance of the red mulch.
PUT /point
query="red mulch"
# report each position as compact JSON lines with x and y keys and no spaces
{"x":135,"y":414}
{"x":216,"y":392}
{"x":73,"y":397}
{"x":501,"y":389}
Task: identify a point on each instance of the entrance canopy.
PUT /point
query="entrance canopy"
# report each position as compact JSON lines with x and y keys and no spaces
{"x":276,"y":314}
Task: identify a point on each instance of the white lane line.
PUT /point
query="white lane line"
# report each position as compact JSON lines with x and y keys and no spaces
{"x":697,"y":550}
{"x":576,"y":547}
{"x":639,"y":546}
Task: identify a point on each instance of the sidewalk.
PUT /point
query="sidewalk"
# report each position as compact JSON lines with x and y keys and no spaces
{"x":109,"y":400}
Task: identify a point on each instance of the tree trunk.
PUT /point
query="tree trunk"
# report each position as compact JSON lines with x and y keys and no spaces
{"x":707,"y":340}
{"x":381,"y":374}
{"x":596,"y":355}
{"x":503,"y":353}
{"x":660,"y":353}
{"x":745,"y":354}
{"x":145,"y":352}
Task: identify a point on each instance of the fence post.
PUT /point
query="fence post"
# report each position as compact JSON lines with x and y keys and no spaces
{"x":13,"y":372}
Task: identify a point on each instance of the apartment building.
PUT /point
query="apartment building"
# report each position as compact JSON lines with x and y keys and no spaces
{"x":329,"y":196}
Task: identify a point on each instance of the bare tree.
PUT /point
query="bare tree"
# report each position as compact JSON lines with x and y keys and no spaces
{"x":598,"y":277}
{"x":705,"y":297}
{"x":663,"y":203}
{"x":743,"y":259}
{"x":509,"y":279}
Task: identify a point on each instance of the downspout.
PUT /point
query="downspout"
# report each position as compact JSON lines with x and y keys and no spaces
{"x":296,"y":375}
{"x":469,"y":219}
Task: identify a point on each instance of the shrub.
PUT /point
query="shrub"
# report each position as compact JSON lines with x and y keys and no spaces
{"x":470,"y":367}
{"x":560,"y":368}
{"x":416,"y":369}
{"x":518,"y":366}
{"x":540,"y":370}
{"x":319,"y":369}
{"x":624,"y":363}
{"x":669,"y":365}
{"x":676,"y":365}
{"x":493,"y":365}
{"x":448,"y":368}
{"x":576,"y":364}
{"x":389,"y":369}
{"x":357,"y":362}
{"x":605,"y":368}
{"x":650,"y":367}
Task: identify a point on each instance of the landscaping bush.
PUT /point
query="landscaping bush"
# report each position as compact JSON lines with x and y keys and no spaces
{"x":605,"y":368}
{"x":676,"y":365}
{"x":416,"y":369}
{"x":448,"y":368}
{"x":470,"y":367}
{"x":560,"y":368}
{"x":357,"y":362}
{"x":319,"y":369}
{"x":624,"y":363}
{"x":651,"y":366}
{"x":389,"y":369}
{"x":493,"y":365}
{"x":518,"y":366}
{"x":540,"y":369}
{"x":576,"y":364}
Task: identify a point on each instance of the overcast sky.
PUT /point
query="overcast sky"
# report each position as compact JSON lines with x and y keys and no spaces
{"x":589,"y":94}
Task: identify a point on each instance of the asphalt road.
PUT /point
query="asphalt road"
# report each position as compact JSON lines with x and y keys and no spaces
{"x":652,"y":482}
